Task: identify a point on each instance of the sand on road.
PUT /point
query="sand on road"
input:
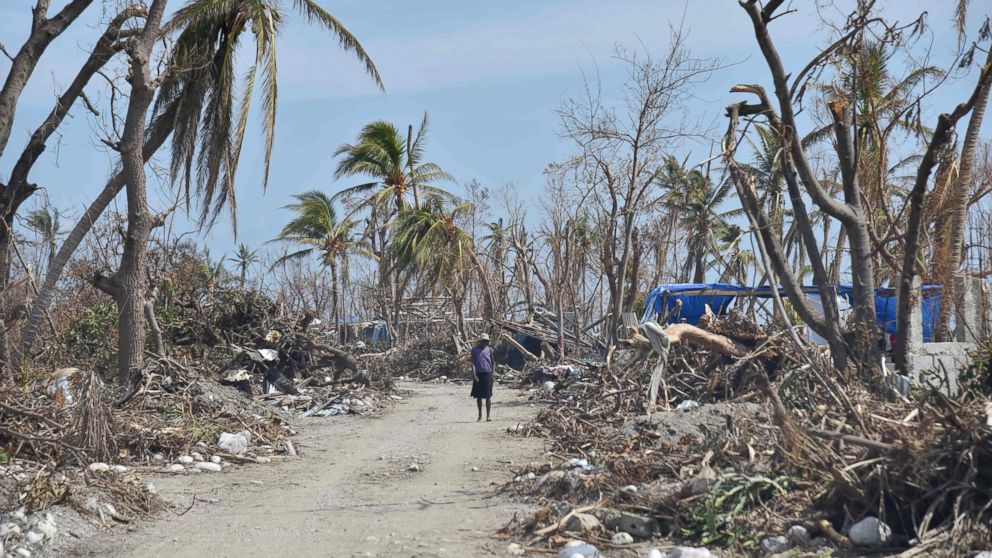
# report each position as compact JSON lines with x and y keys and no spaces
{"x":352,"y":493}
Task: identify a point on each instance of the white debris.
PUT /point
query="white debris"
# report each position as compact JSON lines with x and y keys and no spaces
{"x":514,"y":549}
{"x":686,"y":405}
{"x":185,"y":460}
{"x":206,"y":466}
{"x":622,"y":538}
{"x":9,"y":529}
{"x":196,"y":456}
{"x":47,"y":526}
{"x":578,"y":549}
{"x":234,"y":443}
{"x":32,"y":537}
{"x":22,"y":552}
{"x":548,"y":387}
{"x":176,"y":468}
{"x":99,"y":467}
{"x":690,"y":552}
{"x":629,"y":489}
{"x":215,"y":459}
{"x":158,"y":456}
{"x":870,"y":532}
{"x":151,"y":488}
{"x":655,"y":553}
{"x":413,"y":468}
{"x":268,"y":354}
{"x":119,"y":468}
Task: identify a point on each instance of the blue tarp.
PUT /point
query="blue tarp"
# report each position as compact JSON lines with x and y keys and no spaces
{"x":886,"y":310}
{"x":665,"y":300}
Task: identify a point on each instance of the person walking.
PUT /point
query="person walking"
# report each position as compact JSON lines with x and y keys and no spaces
{"x":482,"y":374}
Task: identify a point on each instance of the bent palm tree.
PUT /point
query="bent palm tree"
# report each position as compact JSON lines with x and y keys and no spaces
{"x":195,"y":106}
{"x":200,"y":100}
{"x":317,"y":228}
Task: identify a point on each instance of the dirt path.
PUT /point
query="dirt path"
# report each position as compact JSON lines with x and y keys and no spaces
{"x":351,"y":494}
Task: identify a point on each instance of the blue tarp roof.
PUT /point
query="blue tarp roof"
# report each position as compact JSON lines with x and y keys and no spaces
{"x":686,"y":302}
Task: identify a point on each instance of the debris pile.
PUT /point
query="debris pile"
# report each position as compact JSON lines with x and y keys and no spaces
{"x":758,"y":446}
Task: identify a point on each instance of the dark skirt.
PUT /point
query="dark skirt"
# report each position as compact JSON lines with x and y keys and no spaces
{"x":483,"y":389}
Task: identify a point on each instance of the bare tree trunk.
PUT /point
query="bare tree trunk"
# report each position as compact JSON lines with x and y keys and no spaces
{"x":71,"y":243}
{"x":4,"y":283}
{"x":938,"y":141}
{"x":959,"y":207}
{"x":129,"y":283}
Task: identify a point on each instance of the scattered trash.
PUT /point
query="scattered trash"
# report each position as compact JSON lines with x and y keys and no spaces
{"x":234,"y":443}
{"x":686,"y":405}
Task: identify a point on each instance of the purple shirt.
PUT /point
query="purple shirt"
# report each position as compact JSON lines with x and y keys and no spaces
{"x":482,"y":360}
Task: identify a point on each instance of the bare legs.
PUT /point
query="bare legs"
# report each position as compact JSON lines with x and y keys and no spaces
{"x":489,"y":406}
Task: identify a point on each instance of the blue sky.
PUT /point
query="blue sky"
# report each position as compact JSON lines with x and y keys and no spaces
{"x":489,"y":73}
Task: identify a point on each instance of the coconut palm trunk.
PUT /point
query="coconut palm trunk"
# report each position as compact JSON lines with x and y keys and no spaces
{"x":959,"y":208}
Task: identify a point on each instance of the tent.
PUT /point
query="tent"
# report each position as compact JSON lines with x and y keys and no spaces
{"x":686,"y":302}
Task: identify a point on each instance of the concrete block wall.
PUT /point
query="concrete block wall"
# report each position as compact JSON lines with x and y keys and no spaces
{"x":939,"y":364}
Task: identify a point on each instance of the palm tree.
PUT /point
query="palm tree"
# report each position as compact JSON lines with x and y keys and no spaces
{"x":244,"y":259}
{"x":394,"y":164}
{"x":397,"y":173}
{"x":317,"y":227}
{"x":199,"y":102}
{"x":697,"y":200}
{"x":45,"y":222}
{"x":195,"y":105}
{"x":430,"y":242}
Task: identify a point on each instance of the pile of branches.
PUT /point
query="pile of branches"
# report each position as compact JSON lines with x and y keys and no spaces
{"x":421,"y":359}
{"x":798,"y":445}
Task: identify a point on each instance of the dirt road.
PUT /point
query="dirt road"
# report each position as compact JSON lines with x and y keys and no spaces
{"x":352,"y":494}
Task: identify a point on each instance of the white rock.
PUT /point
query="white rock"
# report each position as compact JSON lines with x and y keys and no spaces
{"x":215,"y":459}
{"x":176,"y":468}
{"x":870,"y":532}
{"x":196,"y":456}
{"x":775,"y":545}
{"x":158,"y":456}
{"x":578,"y":549}
{"x":984,"y":553}
{"x":20,"y":516}
{"x":548,"y":387}
{"x":234,"y":443}
{"x":799,"y":535}
{"x":119,"y":468}
{"x":629,"y":489}
{"x":475,"y":469}
{"x":185,"y":460}
{"x":9,"y":529}
{"x":396,"y":398}
{"x":514,"y":549}
{"x":205,"y":466}
{"x":690,"y":552}
{"x":622,"y":538}
{"x":22,"y":552}
{"x":413,"y":468}
{"x":33,"y":537}
{"x":655,"y":553}
{"x":263,"y":460}
{"x":99,"y":467}
{"x":47,"y":527}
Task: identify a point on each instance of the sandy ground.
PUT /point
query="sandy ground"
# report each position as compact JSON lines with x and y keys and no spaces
{"x":351,"y":493}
